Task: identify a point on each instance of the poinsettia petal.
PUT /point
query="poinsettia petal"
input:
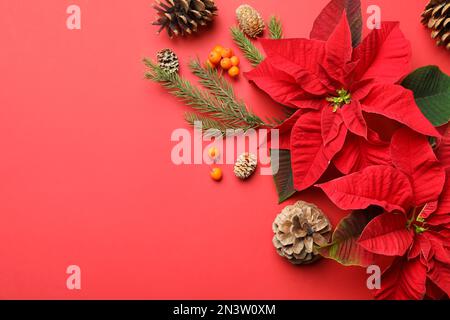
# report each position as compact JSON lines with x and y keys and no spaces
{"x":438,"y":219}
{"x":425,"y":248}
{"x":444,"y":200}
{"x":329,"y":17}
{"x":428,"y":209}
{"x":359,"y":153}
{"x":305,"y":79}
{"x":360,"y":89}
{"x":279,"y":85}
{"x":421,"y":246}
{"x":443,"y":151}
{"x":339,"y":51}
{"x":441,"y":237}
{"x":440,"y":253}
{"x":284,"y":131}
{"x":397,"y":103}
{"x":403,"y":280}
{"x":412,"y":153}
{"x":440,"y":275}
{"x":299,"y":54}
{"x":331,"y":125}
{"x":433,"y":291}
{"x":314,"y":104}
{"x":310,"y":158}
{"x":353,"y":118}
{"x":306,"y":54}
{"x":387,"y":235}
{"x":383,"y":186}
{"x":384,"y":55}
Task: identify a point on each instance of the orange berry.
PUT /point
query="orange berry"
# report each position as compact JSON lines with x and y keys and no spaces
{"x":225,"y":63}
{"x":216,"y":174}
{"x":227,"y":53}
{"x":218,"y":49}
{"x":233,"y":71}
{"x":234,"y":61}
{"x":213,"y":153}
{"x":209,"y":64}
{"x":214,"y":57}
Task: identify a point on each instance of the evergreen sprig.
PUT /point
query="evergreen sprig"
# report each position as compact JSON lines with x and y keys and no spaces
{"x":247,"y":47}
{"x":275,"y":28}
{"x":207,"y":123}
{"x":218,"y":105}
{"x":223,"y":91}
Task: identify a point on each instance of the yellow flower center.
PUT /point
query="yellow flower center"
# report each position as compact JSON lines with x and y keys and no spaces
{"x":343,"y":97}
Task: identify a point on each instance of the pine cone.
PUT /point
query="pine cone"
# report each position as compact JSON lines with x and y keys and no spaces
{"x":168,"y":60}
{"x":182,"y":17}
{"x":437,"y":18}
{"x":299,"y":229}
{"x":245,"y":165}
{"x":250,"y":20}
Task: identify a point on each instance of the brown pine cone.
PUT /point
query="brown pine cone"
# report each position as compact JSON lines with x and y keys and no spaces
{"x":183,"y":17}
{"x":437,"y":18}
{"x":299,"y":230}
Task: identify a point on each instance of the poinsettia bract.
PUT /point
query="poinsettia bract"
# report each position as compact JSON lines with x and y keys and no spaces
{"x":415,"y":227}
{"x":335,"y":87}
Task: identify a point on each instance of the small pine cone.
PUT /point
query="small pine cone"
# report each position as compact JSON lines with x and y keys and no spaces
{"x":299,"y":230}
{"x":168,"y":60}
{"x":183,"y":17}
{"x":436,"y":17}
{"x":245,"y":165}
{"x":250,"y":20}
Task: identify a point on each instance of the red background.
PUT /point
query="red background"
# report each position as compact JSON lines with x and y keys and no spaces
{"x":85,"y":170}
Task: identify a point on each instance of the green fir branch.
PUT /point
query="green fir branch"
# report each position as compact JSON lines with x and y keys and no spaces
{"x":223,"y":91}
{"x":247,"y":47}
{"x":275,"y":28}
{"x":183,"y":89}
{"x":193,"y":118}
{"x":218,"y":106}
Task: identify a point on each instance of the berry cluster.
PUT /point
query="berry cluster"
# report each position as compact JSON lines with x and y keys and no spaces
{"x":224,"y":58}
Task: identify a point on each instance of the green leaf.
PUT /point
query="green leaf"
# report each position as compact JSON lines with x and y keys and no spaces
{"x":283,"y":177}
{"x":431,"y":88}
{"x":344,"y":247}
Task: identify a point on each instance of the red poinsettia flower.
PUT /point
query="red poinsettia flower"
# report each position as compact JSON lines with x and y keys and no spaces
{"x":336,"y":87}
{"x":415,"y":193}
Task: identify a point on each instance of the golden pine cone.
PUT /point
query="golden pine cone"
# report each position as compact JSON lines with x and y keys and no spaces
{"x":245,"y":165}
{"x":250,"y":20}
{"x":299,"y":230}
{"x":183,"y":17}
{"x":437,"y":18}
